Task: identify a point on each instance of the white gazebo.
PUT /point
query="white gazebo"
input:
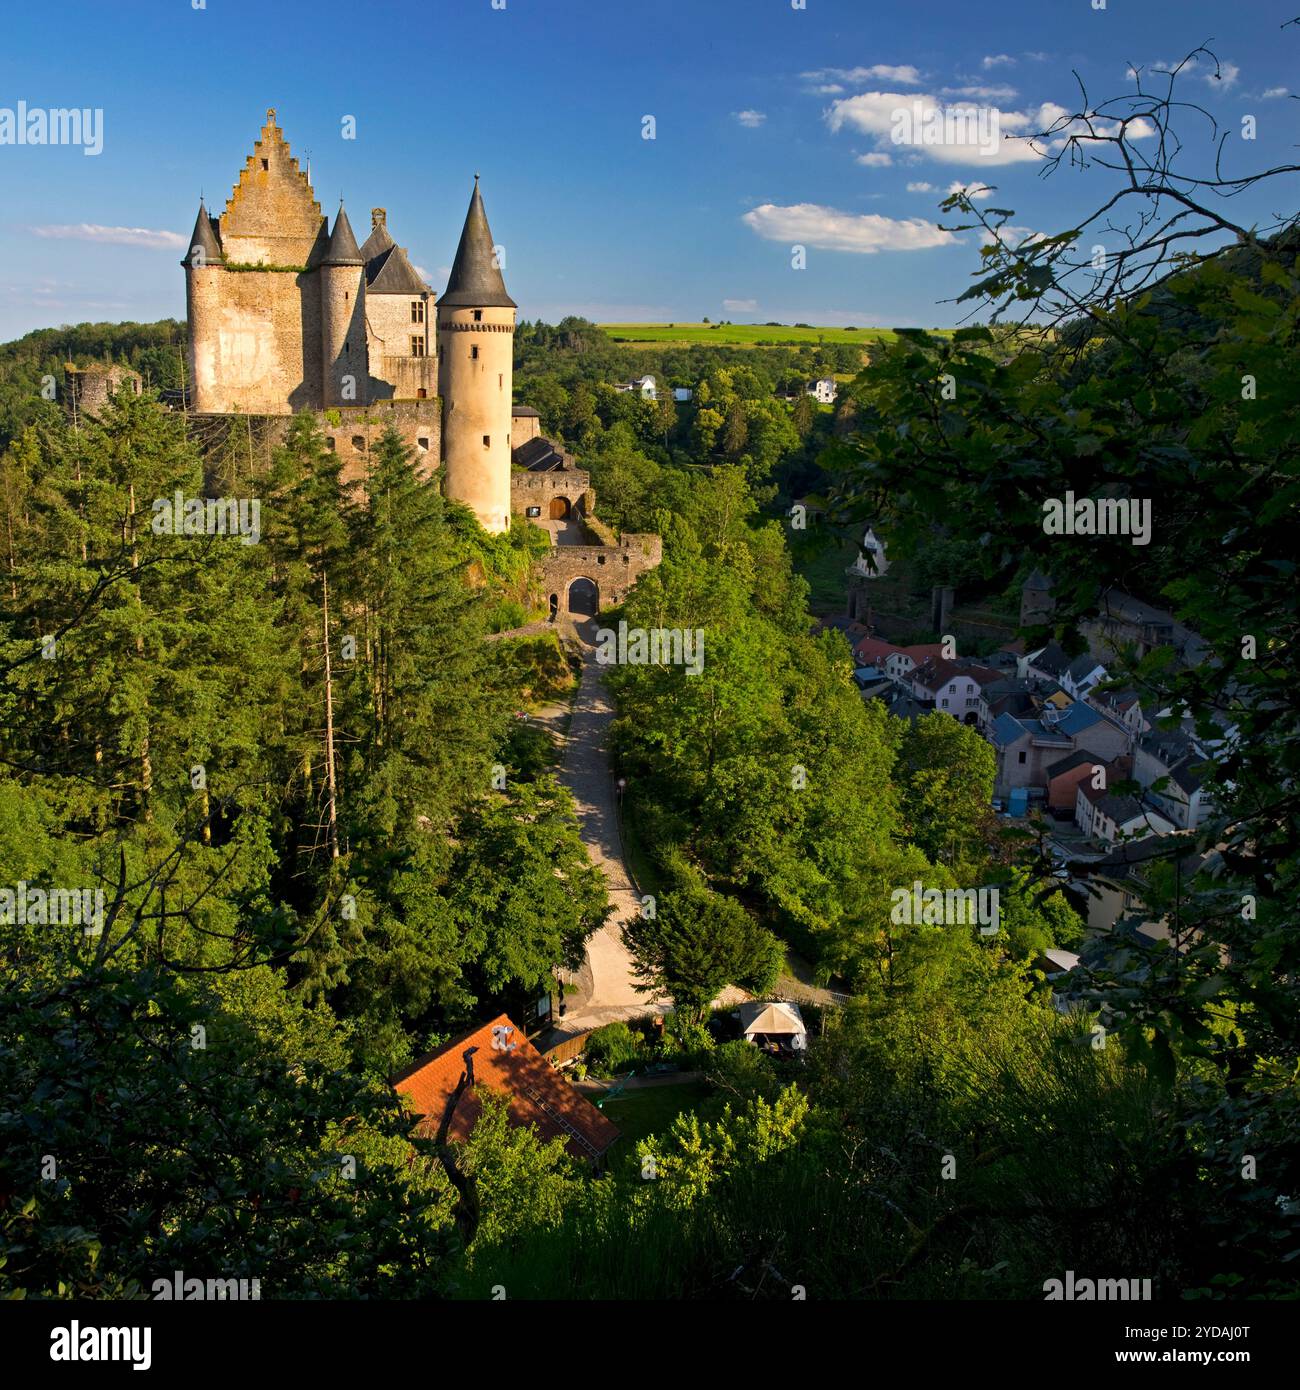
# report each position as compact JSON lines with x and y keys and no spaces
{"x":768,"y":1025}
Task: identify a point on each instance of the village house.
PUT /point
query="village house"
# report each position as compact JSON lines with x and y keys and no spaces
{"x":823,"y":390}
{"x":952,"y":686}
{"x":1109,"y":817}
{"x":898,"y":663}
{"x":1182,"y":762}
{"x":1027,"y":746}
{"x":498,"y":1057}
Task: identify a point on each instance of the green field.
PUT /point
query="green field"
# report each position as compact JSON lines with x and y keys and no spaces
{"x":739,"y":334}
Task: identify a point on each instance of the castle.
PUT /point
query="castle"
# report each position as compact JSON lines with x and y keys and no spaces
{"x":288,"y":314}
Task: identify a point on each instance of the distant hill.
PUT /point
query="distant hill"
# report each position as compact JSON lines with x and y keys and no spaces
{"x":741,"y":334}
{"x":155,"y":350}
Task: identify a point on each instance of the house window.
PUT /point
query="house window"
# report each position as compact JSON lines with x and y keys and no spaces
{"x":417,"y":311}
{"x":945,"y":704}
{"x":478,"y":315}
{"x":417,"y":345}
{"x":473,"y":354}
{"x":1021,"y":757}
{"x":487,"y":441}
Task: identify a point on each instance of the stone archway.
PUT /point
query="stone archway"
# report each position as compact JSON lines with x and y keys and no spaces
{"x":560,"y":509}
{"x":584,"y":598}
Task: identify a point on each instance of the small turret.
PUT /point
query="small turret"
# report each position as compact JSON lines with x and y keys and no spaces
{"x":342,"y":317}
{"x":204,"y":248}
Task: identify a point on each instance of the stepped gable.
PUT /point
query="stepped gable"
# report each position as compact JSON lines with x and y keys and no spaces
{"x":272,"y":215}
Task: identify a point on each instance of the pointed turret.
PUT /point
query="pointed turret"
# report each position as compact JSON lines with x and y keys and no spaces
{"x":475,"y":276}
{"x":204,"y":239}
{"x":342,"y":248}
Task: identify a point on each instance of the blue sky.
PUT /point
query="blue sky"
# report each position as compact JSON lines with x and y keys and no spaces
{"x":769,"y":130}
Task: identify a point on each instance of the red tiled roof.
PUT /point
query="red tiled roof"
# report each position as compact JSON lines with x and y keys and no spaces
{"x":538,"y":1094}
{"x":924,"y":651}
{"x":871,"y":649}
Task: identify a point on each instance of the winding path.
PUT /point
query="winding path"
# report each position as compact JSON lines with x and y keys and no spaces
{"x":605,"y":986}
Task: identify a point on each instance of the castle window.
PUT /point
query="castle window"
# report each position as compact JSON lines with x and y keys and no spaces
{"x":478,"y":315}
{"x":421,"y":393}
{"x":422,"y":445}
{"x":359,"y":443}
{"x":417,"y":311}
{"x":417,"y":346}
{"x":487,"y":441}
{"x":329,"y":443}
{"x":473,"y":354}
{"x":501,"y":381}
{"x":266,"y":164}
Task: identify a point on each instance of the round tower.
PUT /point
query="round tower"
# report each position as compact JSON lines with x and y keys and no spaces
{"x":476,"y":325}
{"x":204,"y":266}
{"x":342,"y":318}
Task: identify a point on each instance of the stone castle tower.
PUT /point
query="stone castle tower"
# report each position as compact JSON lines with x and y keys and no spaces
{"x":476,"y":325}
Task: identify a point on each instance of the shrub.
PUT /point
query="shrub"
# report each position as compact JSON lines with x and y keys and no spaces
{"x":613,"y":1047}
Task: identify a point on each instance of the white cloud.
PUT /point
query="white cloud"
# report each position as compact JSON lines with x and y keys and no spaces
{"x":1223,"y":76}
{"x":878,"y":72}
{"x":876,"y":161}
{"x":977,"y":192}
{"x":826,"y":89}
{"x":963,"y":133}
{"x":920,"y":187}
{"x":112,"y":236}
{"x":751,"y":119}
{"x":1275,"y":92}
{"x":1009,"y":236}
{"x":998,"y":60}
{"x":969,"y":134}
{"x":740,"y":306}
{"x":978,"y":93}
{"x":828,"y":229}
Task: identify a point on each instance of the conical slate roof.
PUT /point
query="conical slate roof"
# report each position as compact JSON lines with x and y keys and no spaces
{"x":205,"y":238}
{"x":475,"y":278}
{"x":342,"y":248}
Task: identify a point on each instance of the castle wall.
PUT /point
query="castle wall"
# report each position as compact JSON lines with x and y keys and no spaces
{"x":475,"y":363}
{"x":349,"y":431}
{"x":255,"y":340}
{"x":538,"y":490}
